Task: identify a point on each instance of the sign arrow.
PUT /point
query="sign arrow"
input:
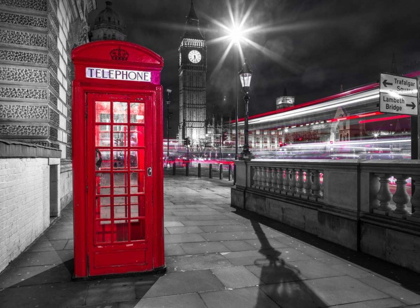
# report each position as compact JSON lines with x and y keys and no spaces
{"x":412,"y":105}
{"x":385,"y":83}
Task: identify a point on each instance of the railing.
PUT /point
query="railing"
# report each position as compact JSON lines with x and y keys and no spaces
{"x":301,"y":183}
{"x":387,"y":188}
{"x":211,"y":169}
{"x":394,"y":196}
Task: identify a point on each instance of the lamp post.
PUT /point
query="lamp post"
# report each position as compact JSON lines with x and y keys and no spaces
{"x":245,"y":76}
{"x":168,"y":116}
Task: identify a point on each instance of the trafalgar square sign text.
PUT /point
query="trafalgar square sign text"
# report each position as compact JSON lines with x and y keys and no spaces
{"x":118,"y":74}
{"x":398,"y":95}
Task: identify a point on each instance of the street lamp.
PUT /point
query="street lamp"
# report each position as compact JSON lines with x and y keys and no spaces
{"x":245,"y":76}
{"x":168,"y":116}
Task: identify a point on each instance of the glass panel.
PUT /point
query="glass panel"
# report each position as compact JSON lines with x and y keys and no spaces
{"x":118,"y":201}
{"x":103,"y":231}
{"x":120,"y":136}
{"x":137,"y":182}
{"x":120,"y":207}
{"x":134,"y":164}
{"x":120,"y":112}
{"x":102,"y":135}
{"x":120,"y":211}
{"x":121,"y":234}
{"x":103,"y":183}
{"x":137,"y":159}
{"x":120,"y":160}
{"x":120,"y":183}
{"x":102,"y":112}
{"x":137,"y":113}
{"x":137,"y":136}
{"x":103,"y":159}
{"x":137,"y":206}
{"x":137,"y":230}
{"x":103,"y":207}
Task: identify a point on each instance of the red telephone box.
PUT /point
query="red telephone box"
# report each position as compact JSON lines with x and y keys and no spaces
{"x":117,"y":159}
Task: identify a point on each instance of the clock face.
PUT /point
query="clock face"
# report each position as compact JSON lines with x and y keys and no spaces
{"x":194,"y":56}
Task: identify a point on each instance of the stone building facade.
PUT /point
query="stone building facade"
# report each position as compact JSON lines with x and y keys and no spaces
{"x":36,"y":39}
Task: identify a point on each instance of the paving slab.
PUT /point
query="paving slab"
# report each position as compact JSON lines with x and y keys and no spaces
{"x":196,"y":262}
{"x":207,"y":247}
{"x":185,"y":282}
{"x":181,"y":230}
{"x":293,"y":295}
{"x":192,"y":300}
{"x":58,"y":295}
{"x":238,"y":298}
{"x":110,"y":291}
{"x":238,"y":245}
{"x":183,"y":238}
{"x":34,"y":275}
{"x":343,"y":290}
{"x":379,"y":303}
{"x":236,"y":277}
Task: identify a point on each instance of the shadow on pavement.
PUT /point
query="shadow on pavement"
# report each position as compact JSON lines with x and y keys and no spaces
{"x":280,"y":281}
{"x":408,"y":279}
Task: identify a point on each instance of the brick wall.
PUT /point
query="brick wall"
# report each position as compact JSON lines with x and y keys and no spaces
{"x":24,"y":204}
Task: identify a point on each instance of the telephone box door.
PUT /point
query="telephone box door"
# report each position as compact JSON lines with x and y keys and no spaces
{"x":119,"y":198}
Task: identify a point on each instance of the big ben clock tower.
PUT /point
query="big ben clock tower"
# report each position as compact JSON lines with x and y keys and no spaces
{"x":192,"y":81}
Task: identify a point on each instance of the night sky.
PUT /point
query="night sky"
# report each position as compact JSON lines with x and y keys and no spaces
{"x":314,"y":46}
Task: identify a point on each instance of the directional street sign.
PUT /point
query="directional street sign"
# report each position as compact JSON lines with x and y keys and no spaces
{"x":398,"y":95}
{"x":398,"y":104}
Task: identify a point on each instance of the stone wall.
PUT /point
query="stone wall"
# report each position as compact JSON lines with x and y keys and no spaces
{"x":25,"y":194}
{"x":66,"y":185}
{"x":36,"y":72}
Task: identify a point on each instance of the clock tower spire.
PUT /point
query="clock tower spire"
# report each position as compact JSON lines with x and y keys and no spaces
{"x":192,"y":80}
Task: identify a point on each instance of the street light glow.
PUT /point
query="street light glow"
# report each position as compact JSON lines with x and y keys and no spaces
{"x":235,"y":34}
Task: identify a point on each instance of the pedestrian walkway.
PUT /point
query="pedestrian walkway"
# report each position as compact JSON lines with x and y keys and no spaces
{"x":216,"y":257}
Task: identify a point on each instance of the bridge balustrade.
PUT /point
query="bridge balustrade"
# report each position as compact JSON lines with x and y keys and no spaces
{"x":371,"y":206}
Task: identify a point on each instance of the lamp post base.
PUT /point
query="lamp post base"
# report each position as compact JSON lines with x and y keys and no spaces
{"x":246,"y":155}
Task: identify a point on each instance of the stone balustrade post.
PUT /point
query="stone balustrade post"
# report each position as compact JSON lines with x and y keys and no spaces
{"x":292,"y":181}
{"x":273,"y":179}
{"x":262,"y":179}
{"x":299,"y":183}
{"x":307,"y":183}
{"x":383,"y":195}
{"x":401,"y":197}
{"x":415,"y":199}
{"x":254,"y":176}
{"x":315,"y":185}
{"x":279,"y":176}
{"x":286,"y":181}
{"x":267,"y":179}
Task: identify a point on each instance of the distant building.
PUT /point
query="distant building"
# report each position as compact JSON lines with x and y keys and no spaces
{"x":108,"y":25}
{"x":192,"y":81}
{"x":284,"y":101}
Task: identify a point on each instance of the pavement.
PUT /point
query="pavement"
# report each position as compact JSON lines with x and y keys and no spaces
{"x":216,"y":256}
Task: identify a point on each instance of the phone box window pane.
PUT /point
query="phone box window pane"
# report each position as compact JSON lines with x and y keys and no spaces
{"x":137,"y":113}
{"x":120,"y":112}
